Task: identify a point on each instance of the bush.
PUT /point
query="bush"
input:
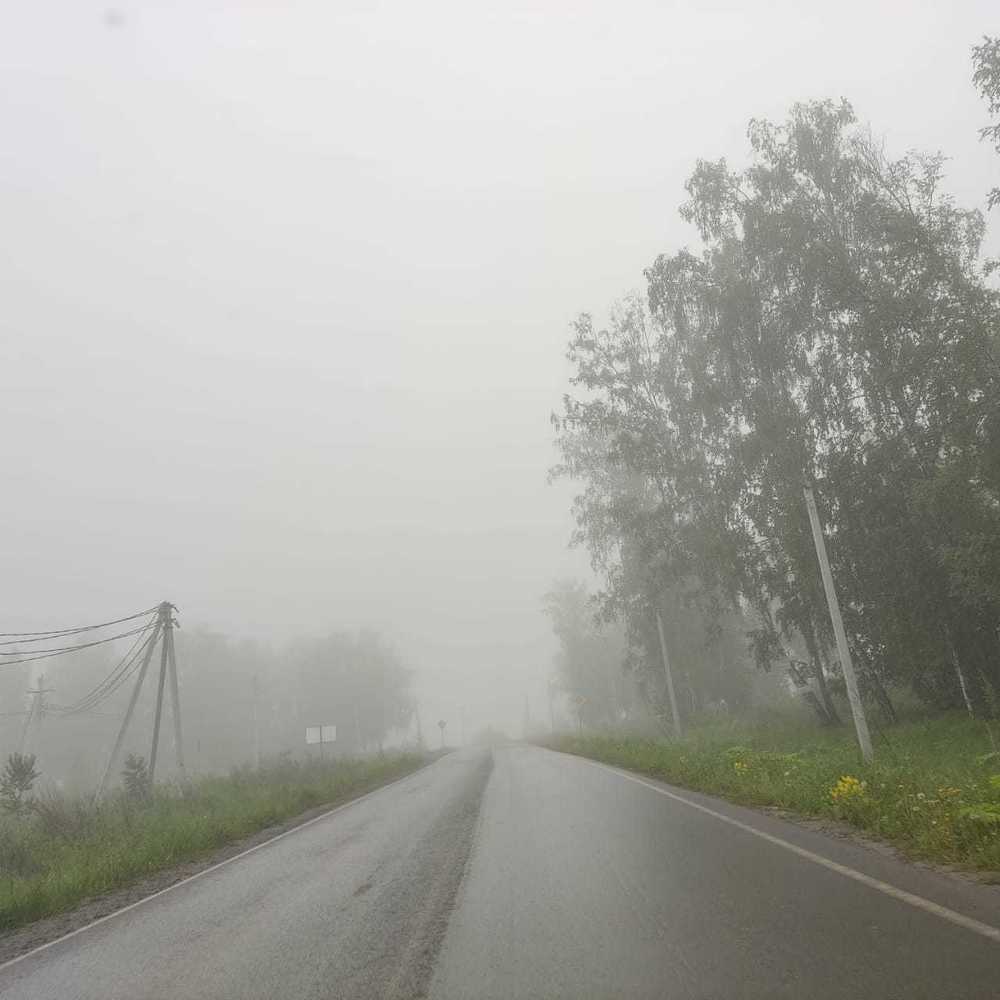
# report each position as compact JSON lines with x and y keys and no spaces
{"x":16,"y":857}
{"x":17,"y":781}
{"x":135,"y":777}
{"x":63,"y":818}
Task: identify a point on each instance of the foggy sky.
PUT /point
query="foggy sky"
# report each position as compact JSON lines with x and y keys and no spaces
{"x":285,"y":288}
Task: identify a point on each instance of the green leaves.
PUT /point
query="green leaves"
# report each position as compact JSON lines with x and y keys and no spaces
{"x":16,"y":783}
{"x":986,"y":78}
{"x":834,"y":329}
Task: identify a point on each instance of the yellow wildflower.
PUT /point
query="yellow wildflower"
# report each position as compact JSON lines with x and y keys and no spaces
{"x":848,"y":789}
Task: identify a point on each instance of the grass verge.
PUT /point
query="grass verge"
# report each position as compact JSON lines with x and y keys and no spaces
{"x":933,"y":789}
{"x":65,"y":850}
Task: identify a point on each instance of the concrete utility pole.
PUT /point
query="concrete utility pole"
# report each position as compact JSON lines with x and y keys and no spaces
{"x":120,"y":738}
{"x":846,"y":664}
{"x":670,"y":676}
{"x":164,"y":618}
{"x":175,"y":697}
{"x":256,"y":727}
{"x":35,"y":712}
{"x":162,"y":632}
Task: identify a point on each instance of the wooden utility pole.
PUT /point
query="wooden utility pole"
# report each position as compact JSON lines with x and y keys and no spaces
{"x":670,"y":677}
{"x":846,"y":664}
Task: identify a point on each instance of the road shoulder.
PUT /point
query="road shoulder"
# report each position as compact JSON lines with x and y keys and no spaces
{"x":22,"y":940}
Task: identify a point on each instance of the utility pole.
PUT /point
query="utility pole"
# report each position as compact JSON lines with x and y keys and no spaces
{"x":420,"y":732}
{"x":120,"y":738}
{"x":35,"y":711}
{"x":256,"y":731}
{"x":670,"y":676}
{"x":846,"y":664}
{"x":175,"y":698}
{"x":164,"y":618}
{"x":162,"y":633}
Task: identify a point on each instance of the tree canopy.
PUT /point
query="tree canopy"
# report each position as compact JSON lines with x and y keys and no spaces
{"x":835,"y":329}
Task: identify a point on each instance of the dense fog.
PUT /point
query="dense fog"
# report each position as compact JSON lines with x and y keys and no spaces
{"x":286,"y":296}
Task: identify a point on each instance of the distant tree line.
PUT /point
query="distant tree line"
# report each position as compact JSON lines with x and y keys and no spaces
{"x":838,"y":328}
{"x":241,"y":700}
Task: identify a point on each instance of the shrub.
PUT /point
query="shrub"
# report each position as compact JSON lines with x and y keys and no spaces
{"x":135,"y":777}
{"x":16,"y":783}
{"x":62,"y":818}
{"x":16,"y":857}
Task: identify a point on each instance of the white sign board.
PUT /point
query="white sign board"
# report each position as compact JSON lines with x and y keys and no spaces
{"x":314,"y":734}
{"x":328,"y":734}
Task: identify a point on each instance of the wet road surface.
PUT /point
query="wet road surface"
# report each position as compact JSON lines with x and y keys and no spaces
{"x":521,"y":873}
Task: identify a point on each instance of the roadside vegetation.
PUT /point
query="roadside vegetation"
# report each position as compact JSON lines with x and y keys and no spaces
{"x":56,"y":851}
{"x":833,"y":336}
{"x":933,"y":789}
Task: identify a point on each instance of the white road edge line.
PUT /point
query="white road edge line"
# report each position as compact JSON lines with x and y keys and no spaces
{"x":959,"y":919}
{"x":206,"y":871}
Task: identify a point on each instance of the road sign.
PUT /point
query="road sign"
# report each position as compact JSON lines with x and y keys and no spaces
{"x":321,"y":735}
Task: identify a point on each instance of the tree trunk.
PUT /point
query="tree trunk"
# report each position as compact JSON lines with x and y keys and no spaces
{"x":824,"y":691}
{"x":956,"y":663}
{"x":879,"y":691}
{"x":883,"y":699}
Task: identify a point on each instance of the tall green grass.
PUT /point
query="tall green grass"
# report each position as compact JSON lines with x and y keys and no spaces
{"x":933,"y":789}
{"x":66,"y":850}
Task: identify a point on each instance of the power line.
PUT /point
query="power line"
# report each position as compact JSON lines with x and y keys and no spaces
{"x":163,"y":632}
{"x":52,"y":633}
{"x":67,"y":649}
{"x":114,"y":680}
{"x":39,"y":655}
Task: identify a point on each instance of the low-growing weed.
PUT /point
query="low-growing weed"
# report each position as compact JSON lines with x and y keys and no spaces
{"x":933,"y":788}
{"x":62,"y":850}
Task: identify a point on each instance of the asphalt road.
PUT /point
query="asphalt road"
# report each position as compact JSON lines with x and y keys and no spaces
{"x":528,"y":874}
